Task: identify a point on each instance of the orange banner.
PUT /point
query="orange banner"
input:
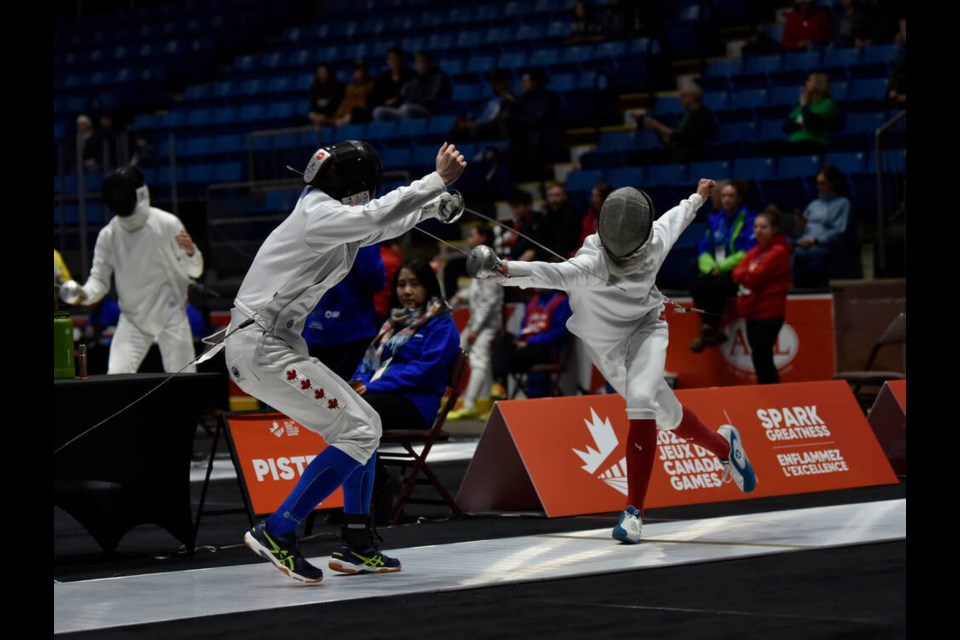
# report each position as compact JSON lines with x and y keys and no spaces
{"x":888,"y":418}
{"x":804,"y":349}
{"x":270,"y":452}
{"x":899,"y":390}
{"x":800,"y":438}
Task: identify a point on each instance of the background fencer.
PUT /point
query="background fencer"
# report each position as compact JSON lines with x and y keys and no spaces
{"x":337,"y":213}
{"x":618,"y":313}
{"x":152,"y":259}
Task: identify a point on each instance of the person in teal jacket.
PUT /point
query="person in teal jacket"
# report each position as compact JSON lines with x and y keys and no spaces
{"x":728,"y":237}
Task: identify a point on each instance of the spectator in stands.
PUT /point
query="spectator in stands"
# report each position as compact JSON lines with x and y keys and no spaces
{"x":84,"y":153}
{"x":355,"y":104}
{"x":534,"y":124}
{"x":560,"y":230}
{"x":897,"y":82}
{"x":815,"y":116}
{"x":847,"y":14}
{"x":824,"y":243}
{"x":529,"y":222}
{"x":543,"y":335}
{"x":108,"y":147}
{"x":685,"y":142}
{"x":326,"y":94}
{"x":420,"y":94}
{"x":763,"y":278}
{"x":588,"y":225}
{"x":488,"y":125}
{"x":392,"y":255}
{"x":485,"y":299}
{"x":878,"y":23}
{"x":728,"y":237}
{"x":585,"y":26}
{"x":388,"y":86}
{"x":344,"y":322}
{"x":807,"y":25}
{"x":404,"y":371}
{"x":623,"y":19}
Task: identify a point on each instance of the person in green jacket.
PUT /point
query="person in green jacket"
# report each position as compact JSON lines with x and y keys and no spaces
{"x":728,"y":237}
{"x":814,"y":117}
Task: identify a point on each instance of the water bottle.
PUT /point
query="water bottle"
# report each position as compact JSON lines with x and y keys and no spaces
{"x":63,"y":366}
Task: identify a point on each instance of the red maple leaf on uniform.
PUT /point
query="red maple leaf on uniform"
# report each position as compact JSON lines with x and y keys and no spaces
{"x":332,"y":403}
{"x":291,"y":374}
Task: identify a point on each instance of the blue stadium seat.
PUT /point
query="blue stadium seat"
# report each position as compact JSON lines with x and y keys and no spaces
{"x":480,"y":63}
{"x":786,"y":193}
{"x":668,"y":174}
{"x":468,"y":92}
{"x":531,"y":32}
{"x":382,"y":130}
{"x":762,"y":64}
{"x":199,"y":117}
{"x":626,"y":177}
{"x":772,"y":129}
{"x":749,"y":99}
{"x":802,"y":60}
{"x":228,"y":172}
{"x":848,"y":162}
{"x":867,"y":90}
{"x":513,"y":60}
{"x":200,"y":146}
{"x":583,"y":180}
{"x":799,"y":166}
{"x":195,"y":174}
{"x":544,"y":56}
{"x":229,"y":143}
{"x":713,"y":100}
{"x":861,"y":122}
{"x":396,"y":159}
{"x":713,"y":169}
{"x":883,"y":53}
{"x":724,"y":67}
{"x":760,"y":168}
{"x":841,"y":57}
{"x":668,"y":105}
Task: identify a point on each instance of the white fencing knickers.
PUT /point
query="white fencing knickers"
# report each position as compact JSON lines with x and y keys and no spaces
{"x":302,"y":388}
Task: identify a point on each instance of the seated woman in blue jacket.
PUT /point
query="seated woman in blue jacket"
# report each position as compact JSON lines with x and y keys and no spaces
{"x":404,"y":372}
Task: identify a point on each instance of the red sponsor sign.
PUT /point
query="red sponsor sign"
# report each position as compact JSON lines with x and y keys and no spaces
{"x":270,"y":452}
{"x":565,"y":456}
{"x":804,"y":349}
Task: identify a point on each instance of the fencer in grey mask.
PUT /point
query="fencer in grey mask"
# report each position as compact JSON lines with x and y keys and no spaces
{"x":625,"y":226}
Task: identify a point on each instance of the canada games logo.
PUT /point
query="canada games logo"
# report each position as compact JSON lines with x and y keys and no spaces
{"x":614,"y":471}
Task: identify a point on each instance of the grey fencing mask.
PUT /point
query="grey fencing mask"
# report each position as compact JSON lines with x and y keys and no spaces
{"x":625,"y":225}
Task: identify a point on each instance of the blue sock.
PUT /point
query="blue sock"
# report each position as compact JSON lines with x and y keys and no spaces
{"x":322,"y":476}
{"x":358,"y":488}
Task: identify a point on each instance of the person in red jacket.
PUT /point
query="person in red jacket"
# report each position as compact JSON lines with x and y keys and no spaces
{"x":763,"y":277}
{"x":805,"y":25}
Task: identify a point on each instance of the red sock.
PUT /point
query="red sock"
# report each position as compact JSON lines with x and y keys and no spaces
{"x":641,"y":451}
{"x":692,"y":428}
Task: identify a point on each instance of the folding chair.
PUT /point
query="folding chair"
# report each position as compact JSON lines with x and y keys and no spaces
{"x":894,"y":335}
{"x":553,"y":371}
{"x":412,"y":463}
